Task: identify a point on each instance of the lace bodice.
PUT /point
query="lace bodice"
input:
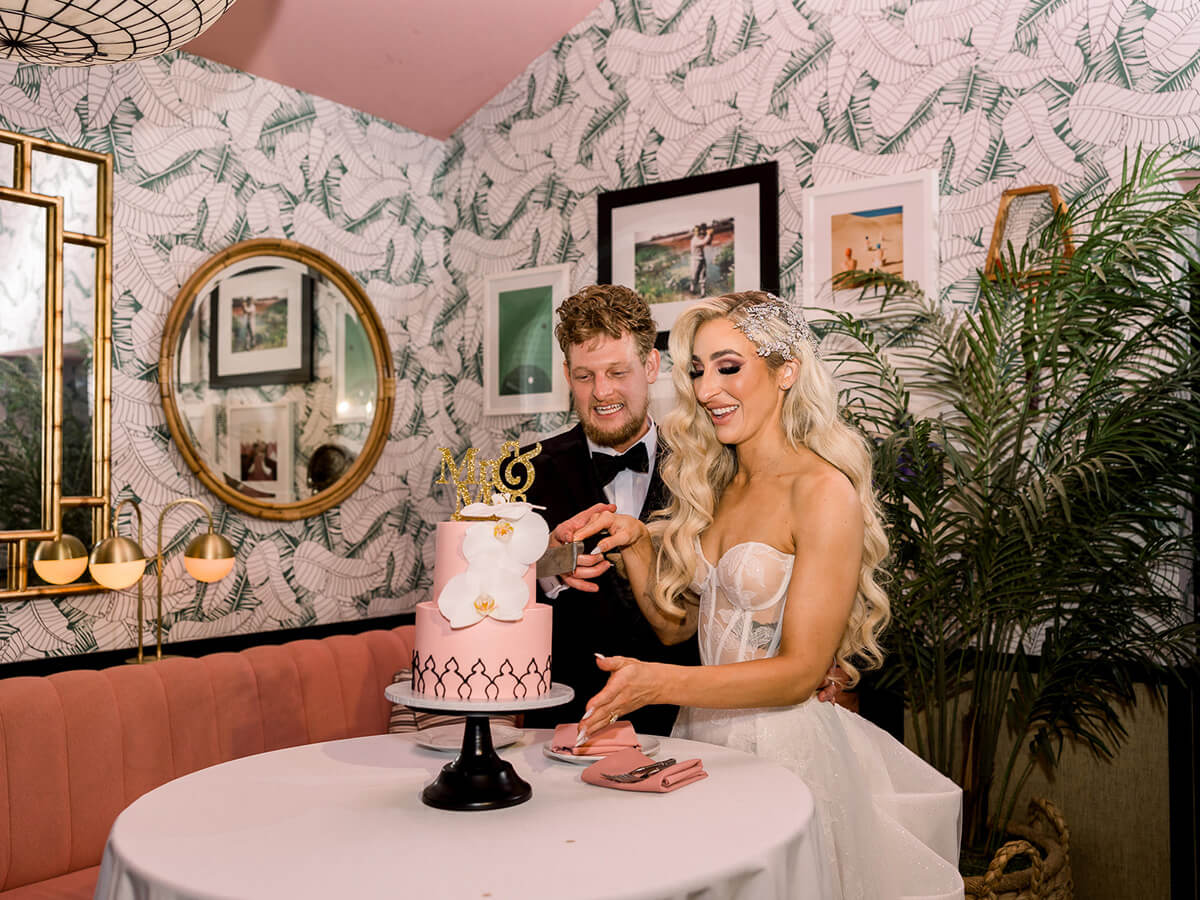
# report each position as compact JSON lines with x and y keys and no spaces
{"x":741,"y":602}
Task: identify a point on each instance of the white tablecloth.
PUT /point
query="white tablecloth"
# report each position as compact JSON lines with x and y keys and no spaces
{"x":345,"y":819}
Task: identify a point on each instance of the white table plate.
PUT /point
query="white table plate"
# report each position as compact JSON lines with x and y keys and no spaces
{"x":648,"y":741}
{"x":449,"y":738}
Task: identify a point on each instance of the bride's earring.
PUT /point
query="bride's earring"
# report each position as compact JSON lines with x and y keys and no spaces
{"x":789,"y":378}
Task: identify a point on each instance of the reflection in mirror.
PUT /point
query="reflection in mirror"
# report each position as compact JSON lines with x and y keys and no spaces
{"x":78,"y":379}
{"x":276,"y":364}
{"x":77,"y":181}
{"x":256,"y":413}
{"x":23,"y":297}
{"x":8,"y":159}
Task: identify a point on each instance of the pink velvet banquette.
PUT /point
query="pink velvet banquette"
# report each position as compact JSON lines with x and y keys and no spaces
{"x":77,"y":747}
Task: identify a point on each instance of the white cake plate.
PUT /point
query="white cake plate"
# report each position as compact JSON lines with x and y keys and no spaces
{"x":403,"y":693}
{"x":478,"y":778}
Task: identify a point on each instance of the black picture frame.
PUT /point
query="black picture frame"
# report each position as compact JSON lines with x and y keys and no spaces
{"x":751,"y":192}
{"x":302,"y":372}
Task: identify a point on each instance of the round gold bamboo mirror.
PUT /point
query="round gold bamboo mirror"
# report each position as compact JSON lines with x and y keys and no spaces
{"x":276,"y":379}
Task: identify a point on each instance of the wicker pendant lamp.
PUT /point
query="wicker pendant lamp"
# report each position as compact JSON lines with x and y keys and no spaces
{"x":100,"y":32}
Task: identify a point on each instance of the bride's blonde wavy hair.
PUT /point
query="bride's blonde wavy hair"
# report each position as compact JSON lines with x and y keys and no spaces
{"x":698,"y":467}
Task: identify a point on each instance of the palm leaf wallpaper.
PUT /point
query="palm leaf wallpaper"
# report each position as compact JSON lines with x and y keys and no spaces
{"x":993,"y":94}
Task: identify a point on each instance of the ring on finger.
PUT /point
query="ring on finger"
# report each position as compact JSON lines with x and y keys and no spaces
{"x":613,"y":718}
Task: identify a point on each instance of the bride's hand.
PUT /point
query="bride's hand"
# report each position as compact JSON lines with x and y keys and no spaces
{"x":564,"y":532}
{"x":631,"y":685}
{"x":588,"y":566}
{"x":622,"y":531}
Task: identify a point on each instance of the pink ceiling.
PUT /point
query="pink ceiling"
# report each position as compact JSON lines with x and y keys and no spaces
{"x":424,"y":64}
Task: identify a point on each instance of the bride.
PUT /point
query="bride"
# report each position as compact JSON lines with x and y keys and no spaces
{"x":770,"y":547}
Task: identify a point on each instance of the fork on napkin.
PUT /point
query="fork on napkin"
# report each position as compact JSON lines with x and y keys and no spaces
{"x":609,"y":739}
{"x":663,"y":781}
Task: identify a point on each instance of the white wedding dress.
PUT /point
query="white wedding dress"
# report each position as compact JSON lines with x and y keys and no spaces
{"x":889,"y":823}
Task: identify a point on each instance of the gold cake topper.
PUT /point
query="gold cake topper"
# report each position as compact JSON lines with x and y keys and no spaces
{"x":488,"y":476}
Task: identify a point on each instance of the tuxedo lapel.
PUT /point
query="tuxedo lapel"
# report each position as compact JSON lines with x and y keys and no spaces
{"x":582,"y":482}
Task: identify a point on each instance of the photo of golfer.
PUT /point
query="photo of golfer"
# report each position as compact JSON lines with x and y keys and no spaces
{"x":687,"y":263}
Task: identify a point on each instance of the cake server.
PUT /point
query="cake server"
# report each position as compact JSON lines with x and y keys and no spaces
{"x":559,"y":560}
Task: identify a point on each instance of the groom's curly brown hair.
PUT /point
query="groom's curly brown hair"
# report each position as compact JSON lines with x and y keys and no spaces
{"x":605,"y":309}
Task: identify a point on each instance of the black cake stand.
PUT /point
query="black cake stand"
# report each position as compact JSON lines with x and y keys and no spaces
{"x":478,"y":778}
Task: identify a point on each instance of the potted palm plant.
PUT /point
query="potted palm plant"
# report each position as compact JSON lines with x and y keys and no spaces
{"x":1035,"y":457}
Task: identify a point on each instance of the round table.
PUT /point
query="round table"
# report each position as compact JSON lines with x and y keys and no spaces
{"x":345,"y":818}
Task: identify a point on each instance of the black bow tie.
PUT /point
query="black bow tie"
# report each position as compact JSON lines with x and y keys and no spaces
{"x":608,"y":466}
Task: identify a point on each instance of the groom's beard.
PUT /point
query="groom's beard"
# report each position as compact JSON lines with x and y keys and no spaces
{"x":620,"y":432}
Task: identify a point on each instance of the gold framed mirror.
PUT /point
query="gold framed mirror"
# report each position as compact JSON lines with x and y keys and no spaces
{"x":1021,"y":217}
{"x":56,"y":227}
{"x":276,"y":379}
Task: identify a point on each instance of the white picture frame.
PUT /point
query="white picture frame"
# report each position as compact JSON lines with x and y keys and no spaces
{"x":522,"y":362}
{"x":354,"y":376}
{"x":264,"y":472}
{"x":906,"y":207}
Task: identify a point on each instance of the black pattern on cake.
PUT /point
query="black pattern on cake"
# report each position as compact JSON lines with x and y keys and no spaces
{"x":477,"y":683}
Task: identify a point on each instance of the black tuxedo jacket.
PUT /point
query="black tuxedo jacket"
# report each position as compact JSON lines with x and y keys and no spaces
{"x":609,"y":621}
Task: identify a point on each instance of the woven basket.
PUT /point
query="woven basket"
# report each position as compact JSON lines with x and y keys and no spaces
{"x":1045,"y":840}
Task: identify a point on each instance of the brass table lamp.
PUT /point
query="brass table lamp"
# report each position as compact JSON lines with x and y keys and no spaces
{"x":207,"y":558}
{"x":117,"y":562}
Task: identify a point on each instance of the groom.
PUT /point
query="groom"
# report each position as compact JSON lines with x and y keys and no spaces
{"x":607,"y":337}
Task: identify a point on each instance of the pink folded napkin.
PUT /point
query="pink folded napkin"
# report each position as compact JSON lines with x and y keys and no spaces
{"x":609,"y":739}
{"x":669,"y":779}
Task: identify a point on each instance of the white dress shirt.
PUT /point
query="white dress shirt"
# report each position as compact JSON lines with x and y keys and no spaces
{"x":628,"y":490}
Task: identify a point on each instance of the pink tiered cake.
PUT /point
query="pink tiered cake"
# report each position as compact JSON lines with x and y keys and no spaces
{"x":477,"y":640}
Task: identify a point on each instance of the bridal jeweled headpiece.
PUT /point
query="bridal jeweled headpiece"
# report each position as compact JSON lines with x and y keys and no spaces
{"x":758,"y":317}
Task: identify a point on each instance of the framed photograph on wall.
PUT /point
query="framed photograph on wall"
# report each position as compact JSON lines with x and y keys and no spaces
{"x":886,"y":224}
{"x":354,"y":381}
{"x":677,"y":241}
{"x":259,"y":452}
{"x":261,"y":328}
{"x":522,"y":362}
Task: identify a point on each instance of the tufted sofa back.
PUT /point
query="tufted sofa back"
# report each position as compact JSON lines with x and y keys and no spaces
{"x":78,"y":747}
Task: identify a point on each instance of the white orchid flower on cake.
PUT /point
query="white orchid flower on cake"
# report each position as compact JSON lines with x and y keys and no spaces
{"x":510,"y":544}
{"x":514,"y":540}
{"x":499,"y":551}
{"x":479,"y":593}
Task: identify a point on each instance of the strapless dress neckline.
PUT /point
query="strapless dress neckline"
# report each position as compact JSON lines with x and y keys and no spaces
{"x":732,"y":547}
